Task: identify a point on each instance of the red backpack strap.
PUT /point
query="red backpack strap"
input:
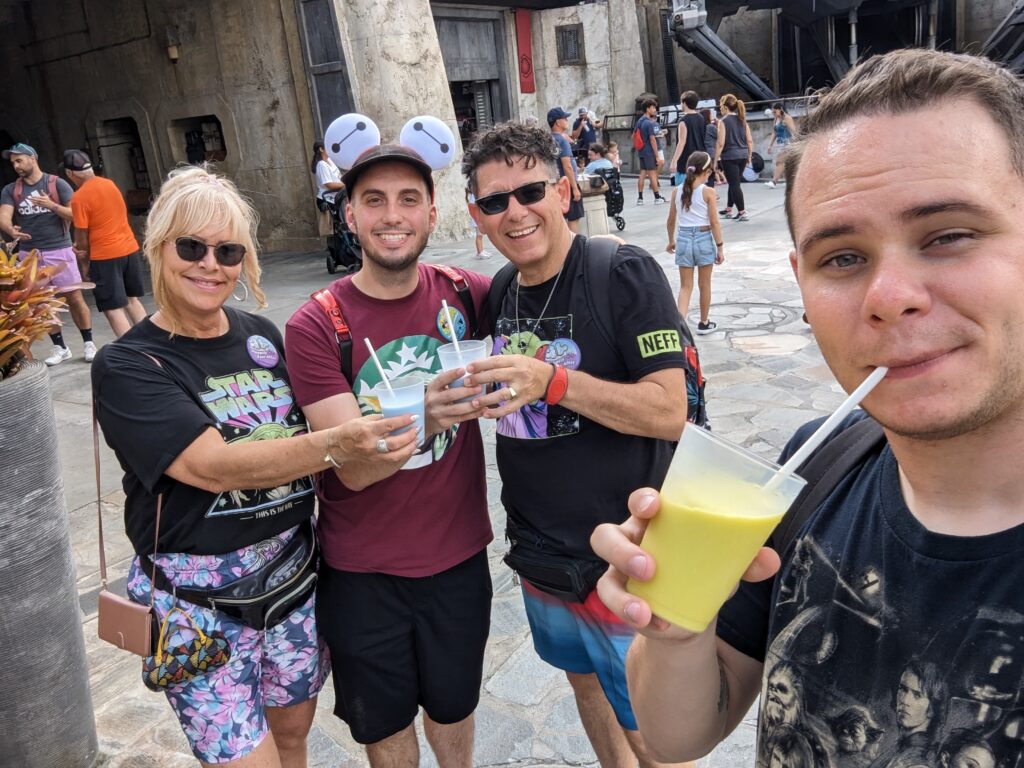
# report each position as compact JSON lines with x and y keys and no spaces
{"x":51,"y":188}
{"x":329,"y":303}
{"x":19,"y":192}
{"x":465,"y":295}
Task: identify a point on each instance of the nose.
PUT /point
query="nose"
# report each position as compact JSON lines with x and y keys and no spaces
{"x":898,"y":288}
{"x":516,"y":210}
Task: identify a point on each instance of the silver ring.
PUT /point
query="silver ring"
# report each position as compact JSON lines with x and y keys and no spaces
{"x":511,"y":394}
{"x":382,"y":446}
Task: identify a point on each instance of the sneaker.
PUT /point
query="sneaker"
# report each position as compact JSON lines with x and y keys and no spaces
{"x":741,"y":216}
{"x":707,"y":327}
{"x":727,"y":212}
{"x":483,"y":255}
{"x":90,"y":351}
{"x":640,"y":200}
{"x":770,"y":184}
{"x":659,"y":200}
{"x":60,"y":354}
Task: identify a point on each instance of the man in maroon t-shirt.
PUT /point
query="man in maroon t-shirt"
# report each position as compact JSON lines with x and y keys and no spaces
{"x":404,"y":594}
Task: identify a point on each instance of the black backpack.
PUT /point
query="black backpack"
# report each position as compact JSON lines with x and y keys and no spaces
{"x":598,"y":260}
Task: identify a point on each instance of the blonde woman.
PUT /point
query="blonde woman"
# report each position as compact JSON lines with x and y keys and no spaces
{"x":196,"y":403}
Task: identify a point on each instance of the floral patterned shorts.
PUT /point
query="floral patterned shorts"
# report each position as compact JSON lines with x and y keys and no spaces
{"x":223,"y":713}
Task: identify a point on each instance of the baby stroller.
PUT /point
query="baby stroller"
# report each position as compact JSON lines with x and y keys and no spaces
{"x":343,"y":249}
{"x":613,"y":197}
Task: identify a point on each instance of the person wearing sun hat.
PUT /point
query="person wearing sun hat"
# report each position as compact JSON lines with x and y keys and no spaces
{"x":34,"y":212}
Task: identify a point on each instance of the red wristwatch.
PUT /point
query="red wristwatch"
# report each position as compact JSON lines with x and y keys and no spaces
{"x":557,"y":386}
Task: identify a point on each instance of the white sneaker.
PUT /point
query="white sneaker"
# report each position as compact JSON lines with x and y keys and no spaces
{"x":483,"y":255}
{"x":60,"y":354}
{"x":770,"y":184}
{"x":90,"y":351}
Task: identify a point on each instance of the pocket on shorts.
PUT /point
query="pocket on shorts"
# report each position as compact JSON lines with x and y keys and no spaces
{"x":704,"y":249}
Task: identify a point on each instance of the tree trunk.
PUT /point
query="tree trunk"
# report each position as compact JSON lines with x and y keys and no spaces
{"x":46,"y":719}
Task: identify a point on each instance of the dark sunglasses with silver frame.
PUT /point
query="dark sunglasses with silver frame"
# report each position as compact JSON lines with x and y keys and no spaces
{"x":527,"y":194}
{"x":194,"y":249}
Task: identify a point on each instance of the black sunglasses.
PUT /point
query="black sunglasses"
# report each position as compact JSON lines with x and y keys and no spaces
{"x":227,"y":254}
{"x":525,"y":195}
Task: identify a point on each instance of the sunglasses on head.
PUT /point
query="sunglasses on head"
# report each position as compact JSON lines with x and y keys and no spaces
{"x":226,"y":254}
{"x":528,"y":194}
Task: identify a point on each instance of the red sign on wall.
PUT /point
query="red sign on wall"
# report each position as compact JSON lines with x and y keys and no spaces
{"x":524,"y":45}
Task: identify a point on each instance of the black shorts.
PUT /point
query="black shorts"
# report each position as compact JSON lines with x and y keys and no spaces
{"x":575,"y":210}
{"x":116,"y":280}
{"x":399,"y":643}
{"x":648,"y":161}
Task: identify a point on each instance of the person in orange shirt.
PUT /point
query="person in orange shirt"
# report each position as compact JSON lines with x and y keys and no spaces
{"x":108,"y":253}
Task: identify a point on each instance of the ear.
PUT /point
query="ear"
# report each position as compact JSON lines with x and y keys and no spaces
{"x":793,"y":264}
{"x":565,"y":193}
{"x":474,"y":212}
{"x":433,"y":217}
{"x":350,"y":218}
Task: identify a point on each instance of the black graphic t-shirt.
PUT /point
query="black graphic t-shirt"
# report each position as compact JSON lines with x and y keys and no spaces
{"x":884,"y":644}
{"x":563,"y":474}
{"x":236,"y":383}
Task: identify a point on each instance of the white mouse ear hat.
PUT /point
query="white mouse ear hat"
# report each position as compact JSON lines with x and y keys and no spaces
{"x":353,"y":143}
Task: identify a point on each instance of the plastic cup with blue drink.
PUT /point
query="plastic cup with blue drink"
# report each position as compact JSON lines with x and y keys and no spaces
{"x":452,"y":357}
{"x":404,"y":395}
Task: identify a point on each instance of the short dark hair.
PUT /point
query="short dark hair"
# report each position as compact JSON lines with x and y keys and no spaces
{"x":907,"y":80}
{"x":648,"y":103}
{"x":690,"y":99}
{"x":509,"y":142}
{"x":598,"y":148}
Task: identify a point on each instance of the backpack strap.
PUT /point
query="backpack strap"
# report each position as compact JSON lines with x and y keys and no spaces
{"x":19,"y":192}
{"x":51,"y":188}
{"x":499,"y":287}
{"x":332,"y":309}
{"x":824,"y":470}
{"x":598,"y":260}
{"x":465,"y":295}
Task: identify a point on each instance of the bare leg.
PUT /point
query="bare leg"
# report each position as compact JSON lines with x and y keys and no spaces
{"x":290,"y":727}
{"x":574,"y":226}
{"x":79,"y":310}
{"x":685,"y":289}
{"x":136,"y":311}
{"x":654,"y":183}
{"x":780,"y":167}
{"x":605,"y":734}
{"x":636,"y":743}
{"x":400,"y":750}
{"x":640,"y":183}
{"x":704,"y":287}
{"x":118,"y":320}
{"x":452,"y":744}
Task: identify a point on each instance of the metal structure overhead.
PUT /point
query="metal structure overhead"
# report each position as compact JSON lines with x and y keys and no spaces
{"x":1006,"y":44}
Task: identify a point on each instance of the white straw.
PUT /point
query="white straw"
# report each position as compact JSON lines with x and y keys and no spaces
{"x":380,"y":368}
{"x":826,"y":428}
{"x":451,"y":324}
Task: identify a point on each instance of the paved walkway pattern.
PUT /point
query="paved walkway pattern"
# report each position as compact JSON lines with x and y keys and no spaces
{"x":765,"y":378}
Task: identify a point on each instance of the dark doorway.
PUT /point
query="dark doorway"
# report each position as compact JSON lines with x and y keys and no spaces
{"x":121,"y":159}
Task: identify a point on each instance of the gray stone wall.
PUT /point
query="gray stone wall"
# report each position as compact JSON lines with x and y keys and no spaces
{"x":90,"y":61}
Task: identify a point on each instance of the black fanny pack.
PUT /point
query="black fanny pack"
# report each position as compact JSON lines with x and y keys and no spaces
{"x":265,"y":598}
{"x":534,"y":559}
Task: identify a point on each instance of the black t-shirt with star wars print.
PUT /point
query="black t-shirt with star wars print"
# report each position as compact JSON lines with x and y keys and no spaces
{"x":562,"y":473}
{"x":885,"y":644}
{"x":156,"y":394}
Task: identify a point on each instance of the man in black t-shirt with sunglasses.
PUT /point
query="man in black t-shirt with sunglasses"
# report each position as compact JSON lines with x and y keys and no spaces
{"x":591,"y":409}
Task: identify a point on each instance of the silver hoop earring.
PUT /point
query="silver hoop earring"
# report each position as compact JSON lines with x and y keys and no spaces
{"x":245,"y":288}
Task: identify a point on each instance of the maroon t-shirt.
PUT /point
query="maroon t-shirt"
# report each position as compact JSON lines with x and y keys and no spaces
{"x":431,"y":514}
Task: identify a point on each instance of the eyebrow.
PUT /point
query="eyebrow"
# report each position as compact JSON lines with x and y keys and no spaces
{"x":906,"y":216}
{"x":407,"y":191}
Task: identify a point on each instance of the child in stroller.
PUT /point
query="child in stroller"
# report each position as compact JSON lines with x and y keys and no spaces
{"x":600,"y":165}
{"x":343,"y":249}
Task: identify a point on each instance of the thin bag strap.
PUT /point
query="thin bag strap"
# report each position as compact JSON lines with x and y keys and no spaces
{"x":99,"y":513}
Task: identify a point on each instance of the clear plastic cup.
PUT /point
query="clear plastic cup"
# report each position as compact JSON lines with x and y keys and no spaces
{"x":406,"y":397}
{"x":469,"y":351}
{"x":715,"y":514}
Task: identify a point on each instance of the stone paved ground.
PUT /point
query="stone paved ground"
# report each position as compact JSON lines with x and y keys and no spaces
{"x":765,"y":375}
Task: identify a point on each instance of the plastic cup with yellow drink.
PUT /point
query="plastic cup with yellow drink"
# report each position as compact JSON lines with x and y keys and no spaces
{"x":719,"y":504}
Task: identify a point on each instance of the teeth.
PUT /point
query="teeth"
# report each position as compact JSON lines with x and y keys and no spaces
{"x":391,"y":237}
{"x":522,"y":232}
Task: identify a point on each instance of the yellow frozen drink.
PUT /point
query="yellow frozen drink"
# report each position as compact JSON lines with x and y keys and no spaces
{"x":715,"y":513}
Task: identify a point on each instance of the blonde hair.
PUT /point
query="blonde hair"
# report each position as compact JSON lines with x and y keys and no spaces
{"x":191,"y":200}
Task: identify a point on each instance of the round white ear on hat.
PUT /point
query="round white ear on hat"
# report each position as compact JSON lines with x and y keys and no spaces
{"x":349,"y":136}
{"x":431,"y":139}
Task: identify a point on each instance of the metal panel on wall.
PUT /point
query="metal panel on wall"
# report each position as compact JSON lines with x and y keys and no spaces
{"x":469,"y":48}
{"x":330,"y":89}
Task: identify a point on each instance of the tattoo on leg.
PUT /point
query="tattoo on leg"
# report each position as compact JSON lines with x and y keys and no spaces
{"x":723,"y":691}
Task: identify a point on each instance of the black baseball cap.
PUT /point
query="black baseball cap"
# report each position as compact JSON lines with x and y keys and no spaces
{"x":75,"y":160}
{"x":556,"y":113}
{"x":388,"y":153}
